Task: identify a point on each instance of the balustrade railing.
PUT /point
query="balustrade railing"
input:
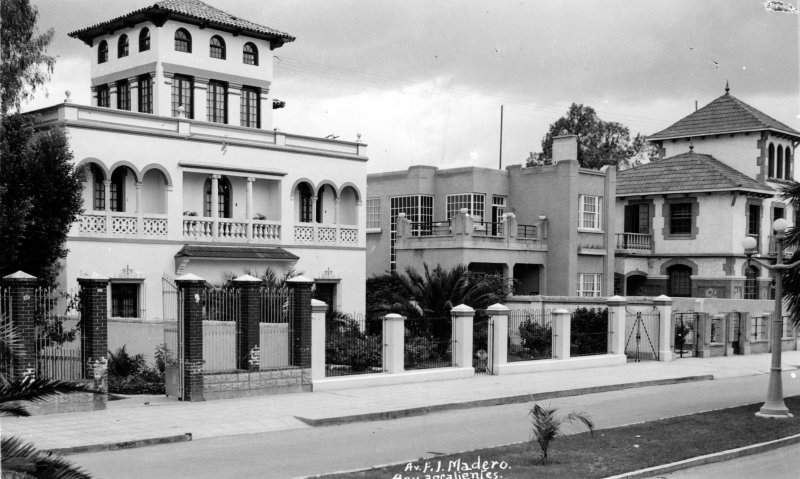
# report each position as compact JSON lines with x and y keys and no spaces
{"x":310,"y":233}
{"x":122,"y":224}
{"x":635,"y":241}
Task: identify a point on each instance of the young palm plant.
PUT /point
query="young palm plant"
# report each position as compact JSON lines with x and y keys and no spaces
{"x":547,"y":426}
{"x":19,"y":459}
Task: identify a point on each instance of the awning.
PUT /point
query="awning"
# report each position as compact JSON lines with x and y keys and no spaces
{"x":236,"y":252}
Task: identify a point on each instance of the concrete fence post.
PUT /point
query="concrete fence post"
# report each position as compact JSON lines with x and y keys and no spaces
{"x":318,"y":310}
{"x":300,"y":322}
{"x":193,"y":289}
{"x":394,"y":331}
{"x":498,"y":346}
{"x":22,"y":291}
{"x":462,"y":335}
{"x":616,"y":324}
{"x":562,"y":326}
{"x":248,"y":338}
{"x":703,"y":335}
{"x":94,"y":324}
{"x":745,"y":326}
{"x":663,"y":305}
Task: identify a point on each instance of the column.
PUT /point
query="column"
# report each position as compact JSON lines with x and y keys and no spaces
{"x":300,"y":322}
{"x":94,"y":322}
{"x":563,"y":330}
{"x":498,"y":346}
{"x":215,"y":205}
{"x":318,"y":310}
{"x":192,"y":292}
{"x":112,"y":95}
{"x":616,"y":324}
{"x":248,"y":341}
{"x":22,"y":288}
{"x":162,"y":92}
{"x":462,"y":335}
{"x":663,"y":304}
{"x":107,"y":195}
{"x":200,"y":98}
{"x":139,"y":207}
{"x":249,"y":206}
{"x":94,"y":96}
{"x":133,"y":85}
{"x":234,"y":99}
{"x":394,"y":331}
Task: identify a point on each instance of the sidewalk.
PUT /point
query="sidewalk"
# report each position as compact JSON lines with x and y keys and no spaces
{"x":143,"y":418}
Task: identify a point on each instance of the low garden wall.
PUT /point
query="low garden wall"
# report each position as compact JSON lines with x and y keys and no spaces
{"x":256,"y":383}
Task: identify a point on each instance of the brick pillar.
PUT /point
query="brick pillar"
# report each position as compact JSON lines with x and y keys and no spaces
{"x":462,"y":335}
{"x":318,"y":310}
{"x":666,"y":333}
{"x":616,"y":324}
{"x":394,"y":332}
{"x":562,"y":323}
{"x":248,"y":342}
{"x":94,"y":321}
{"x":300,"y":322}
{"x":22,"y":287}
{"x":498,"y":346}
{"x":192,"y":289}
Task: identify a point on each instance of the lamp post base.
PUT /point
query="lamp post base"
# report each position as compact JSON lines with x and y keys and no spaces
{"x":774,"y":410}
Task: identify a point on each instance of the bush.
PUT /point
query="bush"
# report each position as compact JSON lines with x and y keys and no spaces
{"x":589,"y":331}
{"x":130,"y":374}
{"x":419,"y":349}
{"x":347,"y":345}
{"x":536,"y":339}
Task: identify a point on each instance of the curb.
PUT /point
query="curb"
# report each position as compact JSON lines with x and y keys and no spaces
{"x":114,"y":446}
{"x":522,"y":398}
{"x":711,"y":458}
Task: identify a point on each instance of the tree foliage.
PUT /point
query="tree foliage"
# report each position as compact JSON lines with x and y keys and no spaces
{"x":40,"y":197}
{"x":546,"y":426}
{"x":599,"y":142}
{"x":791,"y":277}
{"x":24,"y":66}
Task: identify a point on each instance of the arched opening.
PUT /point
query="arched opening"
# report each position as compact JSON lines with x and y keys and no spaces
{"x":154,"y":192}
{"x":223,"y":198}
{"x":679,"y":283}
{"x":326,"y":201}
{"x":787,"y":169}
{"x":305,"y":198}
{"x":217,"y":47}
{"x":122,"y":182}
{"x":122,"y":46}
{"x":348,"y":207}
{"x":97,"y":187}
{"x":183,"y":41}
{"x":635,"y":285}
{"x":250,"y":54}
{"x":751,"y":282}
{"x":771,"y":161}
{"x":780,"y":161}
{"x":144,"y":39}
{"x":102,"y":52}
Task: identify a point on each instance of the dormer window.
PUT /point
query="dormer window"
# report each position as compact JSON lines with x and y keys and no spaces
{"x":183,"y":41}
{"x":122,"y":46}
{"x":250,"y":54}
{"x":217,"y":47}
{"x":144,"y":39}
{"x":102,"y":52}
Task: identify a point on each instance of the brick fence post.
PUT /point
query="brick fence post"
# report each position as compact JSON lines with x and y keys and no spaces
{"x":462,"y":316}
{"x":192,"y":289}
{"x":300,"y":322}
{"x":22,"y":289}
{"x":94,"y":323}
{"x":248,"y":324}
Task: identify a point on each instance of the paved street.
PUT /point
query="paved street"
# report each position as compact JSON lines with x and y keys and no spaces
{"x":783,"y":463}
{"x":309,"y":451}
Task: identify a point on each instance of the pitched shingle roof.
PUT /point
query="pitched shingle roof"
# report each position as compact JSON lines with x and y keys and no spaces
{"x":236,"y":252}
{"x":726,"y":114}
{"x":686,"y":173}
{"x":189,"y":11}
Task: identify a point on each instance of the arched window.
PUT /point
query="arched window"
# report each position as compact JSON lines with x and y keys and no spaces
{"x":102,"y":52}
{"x":679,"y":283}
{"x":751,"y":283}
{"x":98,"y":188}
{"x":780,"y":161}
{"x":183,"y":41}
{"x":250,"y":54}
{"x":306,"y":203}
{"x":217,"y":46}
{"x":787,"y":170}
{"x":118,"y":189}
{"x":144,"y":39}
{"x":223,"y":198}
{"x":122,"y":46}
{"x":771,"y":162}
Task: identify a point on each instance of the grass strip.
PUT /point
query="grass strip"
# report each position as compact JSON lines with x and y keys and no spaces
{"x":608,"y":452}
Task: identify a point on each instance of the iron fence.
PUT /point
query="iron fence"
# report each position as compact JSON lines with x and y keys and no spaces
{"x":588,"y":332}
{"x":683,"y":326}
{"x":353,"y":345}
{"x":530,"y":335}
{"x":220,"y":314}
{"x":428,"y":343}
{"x":58,"y":342}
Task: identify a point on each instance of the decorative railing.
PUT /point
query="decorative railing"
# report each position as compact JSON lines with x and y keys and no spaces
{"x":264,"y":231}
{"x":634,"y":241}
{"x":310,"y":233}
{"x":488,"y":228}
{"x":198,"y":228}
{"x":93,"y":223}
{"x":231,"y":230}
{"x":123,"y":225}
{"x":527,"y":232}
{"x":154,"y":225}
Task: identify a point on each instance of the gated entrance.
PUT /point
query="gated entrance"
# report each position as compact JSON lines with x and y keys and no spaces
{"x":58,"y":340}
{"x":172,"y":299}
{"x":734,"y":331}
{"x":641,"y":333}
{"x":482,"y":333}
{"x":683,"y":324}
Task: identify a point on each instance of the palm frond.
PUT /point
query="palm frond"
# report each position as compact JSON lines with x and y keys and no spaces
{"x":21,"y":459}
{"x":37,"y":389}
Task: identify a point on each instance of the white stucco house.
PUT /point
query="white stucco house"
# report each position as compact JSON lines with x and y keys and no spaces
{"x":185,"y":172}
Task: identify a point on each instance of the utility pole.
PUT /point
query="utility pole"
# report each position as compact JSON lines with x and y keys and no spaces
{"x":501,"y":137}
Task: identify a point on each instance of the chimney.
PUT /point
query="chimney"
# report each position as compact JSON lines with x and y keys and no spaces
{"x":565,"y":147}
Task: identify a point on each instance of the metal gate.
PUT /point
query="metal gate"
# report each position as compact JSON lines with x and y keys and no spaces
{"x":641,"y":333}
{"x":172,"y":299}
{"x":734,"y":331}
{"x":482,"y":351}
{"x":685,"y":334}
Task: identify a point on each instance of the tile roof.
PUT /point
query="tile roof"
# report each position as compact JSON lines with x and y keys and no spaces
{"x":192,"y":11}
{"x":686,"y":173}
{"x":236,"y":252}
{"x":726,"y":114}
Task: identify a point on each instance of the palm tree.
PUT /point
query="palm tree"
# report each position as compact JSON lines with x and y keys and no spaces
{"x":547,"y":426}
{"x":791,"y":278}
{"x":19,"y":459}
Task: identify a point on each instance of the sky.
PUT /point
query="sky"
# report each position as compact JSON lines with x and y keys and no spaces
{"x":423,"y":81}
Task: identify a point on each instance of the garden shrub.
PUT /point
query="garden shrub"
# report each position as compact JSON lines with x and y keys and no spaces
{"x":347,"y":345}
{"x":589,"y":332}
{"x":536,"y":340}
{"x":419,"y":349}
{"x":130,"y":374}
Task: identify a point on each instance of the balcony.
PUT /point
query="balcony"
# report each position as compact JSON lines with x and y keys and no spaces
{"x":235,"y":231}
{"x":113,"y":224}
{"x":334,"y":235}
{"x":634,"y":242}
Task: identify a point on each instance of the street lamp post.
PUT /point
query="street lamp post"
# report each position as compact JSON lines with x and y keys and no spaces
{"x":774,"y":406}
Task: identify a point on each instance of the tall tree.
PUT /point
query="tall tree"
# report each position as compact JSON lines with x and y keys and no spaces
{"x":791,"y":278}
{"x":25,"y":65}
{"x":599,"y":142}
